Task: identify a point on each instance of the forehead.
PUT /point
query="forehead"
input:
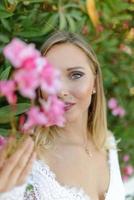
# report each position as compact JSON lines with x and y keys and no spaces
{"x":67,"y":55}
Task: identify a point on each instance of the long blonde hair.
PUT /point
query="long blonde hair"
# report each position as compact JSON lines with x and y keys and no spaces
{"x":97,"y":119}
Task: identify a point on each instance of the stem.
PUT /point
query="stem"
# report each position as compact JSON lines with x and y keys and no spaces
{"x":32,"y":102}
{"x":13,"y":126}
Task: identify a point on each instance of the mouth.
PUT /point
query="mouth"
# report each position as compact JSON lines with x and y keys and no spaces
{"x":68,"y":105}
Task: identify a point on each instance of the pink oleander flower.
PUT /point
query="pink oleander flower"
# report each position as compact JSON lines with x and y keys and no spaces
{"x":20,"y":54}
{"x":49,"y":79}
{"x":34,"y":117}
{"x":112,"y":103}
{"x":7,"y":89}
{"x":34,"y":72}
{"x":54,"y":110}
{"x":21,"y":122}
{"x":27,"y":82}
{"x":2,"y":141}
{"x":126,"y":158}
{"x":125,"y":178}
{"x":118,"y":111}
{"x":122,"y":112}
{"x":128,"y":170}
{"x":41,"y":63}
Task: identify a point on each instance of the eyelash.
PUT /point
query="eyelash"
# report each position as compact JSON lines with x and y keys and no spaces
{"x":77,"y":73}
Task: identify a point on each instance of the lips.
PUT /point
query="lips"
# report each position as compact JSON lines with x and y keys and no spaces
{"x":68,"y":106}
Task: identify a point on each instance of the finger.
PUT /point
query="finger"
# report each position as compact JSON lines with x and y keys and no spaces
{"x":23,"y":176}
{"x":10,"y":163}
{"x":3,"y":151}
{"x":15,"y":173}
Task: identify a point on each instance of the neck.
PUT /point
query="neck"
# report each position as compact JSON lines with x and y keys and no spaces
{"x":75,"y":132}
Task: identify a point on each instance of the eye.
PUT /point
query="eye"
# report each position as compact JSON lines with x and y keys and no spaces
{"x":76,"y":75}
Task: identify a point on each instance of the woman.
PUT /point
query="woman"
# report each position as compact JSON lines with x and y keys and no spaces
{"x":78,"y":161}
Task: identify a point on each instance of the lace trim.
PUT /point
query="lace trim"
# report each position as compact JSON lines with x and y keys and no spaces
{"x":42,"y":169}
{"x":76,"y":191}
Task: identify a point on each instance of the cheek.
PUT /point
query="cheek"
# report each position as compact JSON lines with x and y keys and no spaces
{"x":83,"y":94}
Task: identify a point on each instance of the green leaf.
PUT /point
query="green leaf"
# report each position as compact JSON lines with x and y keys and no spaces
{"x":4,"y":132}
{"x":71,"y":23}
{"x":6,"y":24}
{"x":7,"y":113}
{"x":50,"y":24}
{"x":76,"y":15}
{"x":31,"y":32}
{"x":4,"y":14}
{"x":62,"y":21}
{"x":27,"y":2}
{"x":4,"y":38}
{"x":5,"y":74}
{"x":37,"y":32}
{"x":72,"y":5}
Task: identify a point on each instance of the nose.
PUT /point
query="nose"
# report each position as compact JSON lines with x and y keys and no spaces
{"x":63,"y":94}
{"x":64,"y":90}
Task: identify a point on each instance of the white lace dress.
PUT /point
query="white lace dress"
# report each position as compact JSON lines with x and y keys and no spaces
{"x":43,"y":185}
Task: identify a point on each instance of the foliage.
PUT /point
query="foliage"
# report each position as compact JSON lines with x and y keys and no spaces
{"x":112,"y":40}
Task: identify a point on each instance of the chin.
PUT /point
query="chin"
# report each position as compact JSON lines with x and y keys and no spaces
{"x":70,"y":118}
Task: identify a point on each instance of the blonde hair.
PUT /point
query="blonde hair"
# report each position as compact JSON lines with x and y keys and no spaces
{"x":97,"y":119}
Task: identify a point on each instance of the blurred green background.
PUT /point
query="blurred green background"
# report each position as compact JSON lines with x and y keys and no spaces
{"x":108,"y":25}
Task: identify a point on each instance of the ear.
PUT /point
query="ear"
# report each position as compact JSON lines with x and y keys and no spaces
{"x":94,"y":91}
{"x":94,"y":86}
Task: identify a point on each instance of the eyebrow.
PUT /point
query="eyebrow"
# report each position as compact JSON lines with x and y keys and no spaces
{"x":71,"y":68}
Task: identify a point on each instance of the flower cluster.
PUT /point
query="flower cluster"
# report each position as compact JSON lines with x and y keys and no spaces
{"x":128,"y":169}
{"x":33,"y":73}
{"x":115,"y":108}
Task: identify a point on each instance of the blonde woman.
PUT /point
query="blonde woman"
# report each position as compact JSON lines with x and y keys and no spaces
{"x":78,"y":161}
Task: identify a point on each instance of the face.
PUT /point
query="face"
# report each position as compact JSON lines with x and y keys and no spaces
{"x":77,"y":79}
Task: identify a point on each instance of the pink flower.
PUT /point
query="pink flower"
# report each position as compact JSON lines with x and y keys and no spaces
{"x":41,"y":63}
{"x":126,"y":158}
{"x":27,"y":82}
{"x":122,"y":112}
{"x":125,"y":178}
{"x":54,"y":110}
{"x":128,"y":170}
{"x":118,"y":111}
{"x":35,"y":117}
{"x":2,"y":141}
{"x":20,"y":54}
{"x":7,"y":89}
{"x":49,"y":79}
{"x":112,"y":103}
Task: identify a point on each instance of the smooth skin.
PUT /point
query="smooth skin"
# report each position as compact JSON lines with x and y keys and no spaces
{"x":15,"y":169}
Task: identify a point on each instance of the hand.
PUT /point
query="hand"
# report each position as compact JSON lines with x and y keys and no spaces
{"x":15,"y":169}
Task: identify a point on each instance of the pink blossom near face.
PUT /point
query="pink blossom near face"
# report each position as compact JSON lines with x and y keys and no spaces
{"x":53,"y":108}
{"x":34,"y":72}
{"x":7,"y":89}
{"x":27,"y":82}
{"x":35,"y":117}
{"x":41,"y":62}
{"x":112,"y":103}
{"x":20,"y":54}
{"x":49,"y":79}
{"x":77,"y":79}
